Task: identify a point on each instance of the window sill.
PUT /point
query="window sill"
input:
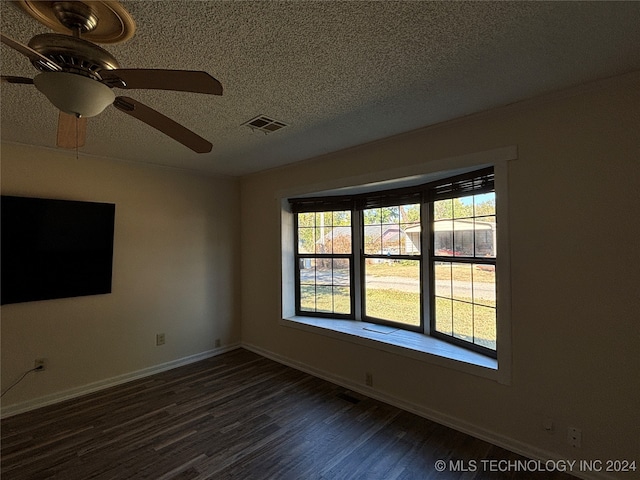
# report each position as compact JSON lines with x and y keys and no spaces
{"x":400,"y":342}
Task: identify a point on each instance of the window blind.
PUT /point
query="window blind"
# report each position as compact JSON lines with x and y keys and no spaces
{"x":471,"y":183}
{"x":321,"y":204}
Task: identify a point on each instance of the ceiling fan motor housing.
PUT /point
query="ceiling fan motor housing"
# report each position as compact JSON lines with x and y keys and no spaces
{"x":73,"y":54}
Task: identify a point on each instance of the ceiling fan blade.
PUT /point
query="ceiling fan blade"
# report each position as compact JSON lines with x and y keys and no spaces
{"x":179,"y":80}
{"x":164,"y":124}
{"x":31,"y":54}
{"x":12,"y":79}
{"x":72,"y":131}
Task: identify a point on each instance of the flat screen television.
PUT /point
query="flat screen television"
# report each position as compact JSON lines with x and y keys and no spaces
{"x":54,"y":248}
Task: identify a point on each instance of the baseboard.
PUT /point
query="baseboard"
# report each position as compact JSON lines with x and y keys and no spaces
{"x":460,"y":425}
{"x":110,"y":382}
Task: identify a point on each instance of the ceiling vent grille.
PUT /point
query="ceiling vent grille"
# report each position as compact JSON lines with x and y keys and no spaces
{"x":264,"y":124}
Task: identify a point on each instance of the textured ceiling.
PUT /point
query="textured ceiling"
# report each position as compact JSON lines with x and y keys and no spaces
{"x":338,"y":73}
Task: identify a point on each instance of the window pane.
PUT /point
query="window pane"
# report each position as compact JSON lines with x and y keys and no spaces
{"x":308,"y":298}
{"x":306,"y":240}
{"x":463,"y":238}
{"x":323,"y":239}
{"x":342,"y":300}
{"x":391,"y":240}
{"x":307,"y":267}
{"x":444,"y":316}
{"x":411,"y":240}
{"x":323,"y":271}
{"x":392,"y":290}
{"x":410,"y":213}
{"x":321,"y":218}
{"x":484,"y":285}
{"x":465,"y":302}
{"x":410,"y":226}
{"x":463,"y":320}
{"x":443,"y":238}
{"x":484,"y":326}
{"x":324,"y":232}
{"x":341,"y":272}
{"x":392,"y":230}
{"x":390,"y":215}
{"x":462,"y":285}
{"x":341,"y":218}
{"x":443,"y":209}
{"x":465,"y":235}
{"x":463,"y":207}
{"x":485,"y":236}
{"x":340,"y":241}
{"x":484,"y":204}
{"x":443,"y":280}
{"x":325,"y":285}
{"x":341,"y":232}
{"x":306,"y":219}
{"x":372,"y":216}
{"x":324,"y":299}
{"x":323,"y":227}
{"x":373,"y":239}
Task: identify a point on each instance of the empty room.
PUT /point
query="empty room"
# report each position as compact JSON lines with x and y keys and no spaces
{"x":320,"y":240}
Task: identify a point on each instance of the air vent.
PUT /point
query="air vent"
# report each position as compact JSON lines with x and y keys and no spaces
{"x":264,"y":124}
{"x":348,"y":397}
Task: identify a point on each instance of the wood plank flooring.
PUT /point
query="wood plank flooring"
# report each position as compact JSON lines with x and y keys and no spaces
{"x":237,"y":416}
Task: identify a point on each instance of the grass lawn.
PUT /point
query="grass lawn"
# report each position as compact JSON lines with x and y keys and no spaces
{"x":394,"y":305}
{"x":459,"y":317}
{"x":460,"y":271}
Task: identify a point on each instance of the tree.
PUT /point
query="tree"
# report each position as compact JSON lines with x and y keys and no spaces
{"x":314,"y":230}
{"x":465,"y":207}
{"x":452,"y":208}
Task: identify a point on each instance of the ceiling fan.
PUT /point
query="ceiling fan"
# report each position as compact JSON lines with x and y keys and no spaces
{"x":78,"y":76}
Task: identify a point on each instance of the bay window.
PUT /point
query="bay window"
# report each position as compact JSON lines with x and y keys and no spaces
{"x":419,"y":258}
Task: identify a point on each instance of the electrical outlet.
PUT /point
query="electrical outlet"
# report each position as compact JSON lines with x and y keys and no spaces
{"x":368,"y":379}
{"x":160,"y":339}
{"x":40,"y":364}
{"x":574,"y":437}
{"x":217,"y":343}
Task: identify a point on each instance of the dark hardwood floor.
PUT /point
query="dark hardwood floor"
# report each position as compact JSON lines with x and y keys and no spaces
{"x":238,"y":416}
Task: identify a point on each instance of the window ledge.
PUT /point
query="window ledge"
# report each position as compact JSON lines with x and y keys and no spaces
{"x":401,"y":342}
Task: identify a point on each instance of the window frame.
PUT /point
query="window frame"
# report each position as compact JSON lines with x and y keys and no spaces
{"x":451,"y":259}
{"x":451,"y":188}
{"x":363,"y":270}
{"x":301,"y":256}
{"x":425,"y":195}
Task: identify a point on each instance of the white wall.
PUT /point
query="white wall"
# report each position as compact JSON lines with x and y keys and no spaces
{"x":573,"y":215}
{"x":175,"y":271}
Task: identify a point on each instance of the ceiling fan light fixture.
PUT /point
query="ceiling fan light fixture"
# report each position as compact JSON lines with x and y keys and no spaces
{"x":74,"y":94}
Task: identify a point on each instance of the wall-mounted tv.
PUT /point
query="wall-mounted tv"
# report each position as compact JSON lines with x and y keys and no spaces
{"x":54,"y":248}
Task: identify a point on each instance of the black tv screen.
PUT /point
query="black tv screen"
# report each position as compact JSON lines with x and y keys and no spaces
{"x":55,"y":248}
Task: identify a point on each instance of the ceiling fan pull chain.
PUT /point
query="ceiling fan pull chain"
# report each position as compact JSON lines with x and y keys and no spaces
{"x":77,"y":121}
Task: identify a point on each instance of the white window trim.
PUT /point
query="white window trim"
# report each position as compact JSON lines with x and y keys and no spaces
{"x":413,"y":345}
